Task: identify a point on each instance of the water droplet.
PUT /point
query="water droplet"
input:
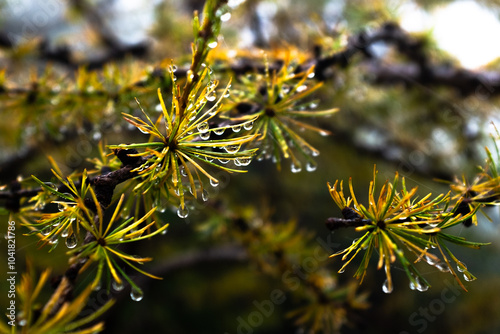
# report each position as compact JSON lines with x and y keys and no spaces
{"x":143,"y":130}
{"x":341,"y":271}
{"x":236,"y":128}
{"x":248,"y":126}
{"x":183,"y":172}
{"x":421,"y":286}
{"x":71,"y":241}
{"x":136,"y":295}
{"x":443,"y":267}
{"x":232,"y":148}
{"x":117,"y":286}
{"x":295,"y":168}
{"x":461,"y":267}
{"x":386,"y":287}
{"x":211,"y":98}
{"x":412,"y":286}
{"x":164,"y":231}
{"x":173,"y":68}
{"x":223,"y":161}
{"x":203,"y":127}
{"x":22,"y":322}
{"x":314,"y":153}
{"x":182,"y":213}
{"x":61,"y":207}
{"x":243,"y":161}
{"x":311,"y":166}
{"x":468,"y":277}
{"x":204,"y":195}
{"x":219,"y":132}
{"x":212,"y":45}
{"x":205,"y":135}
{"x":225,"y":17}
{"x":51,"y":185}
{"x":430,"y":260}
{"x":54,"y":240}
{"x":324,"y":133}
{"x":214,"y":182}
{"x":302,"y":88}
{"x":65,"y":232}
{"x":311,"y":75}
{"x":158,"y":108}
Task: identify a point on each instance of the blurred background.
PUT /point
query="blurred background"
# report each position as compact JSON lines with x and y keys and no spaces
{"x":421,"y":103}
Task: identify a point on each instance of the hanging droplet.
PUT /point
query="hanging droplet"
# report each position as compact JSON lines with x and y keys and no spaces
{"x":117,"y":286}
{"x":225,"y":17}
{"x":136,"y":295}
{"x":223,"y":161}
{"x":248,"y":126}
{"x":203,"y":127}
{"x":421,"y":286}
{"x":412,"y":285}
{"x":443,"y":267}
{"x":430,"y":260}
{"x":173,"y":68}
{"x":65,"y":232}
{"x":164,"y":231}
{"x":71,"y":241}
{"x":205,"y":135}
{"x":295,"y":168}
{"x":211,"y":98}
{"x":232,"y":148}
{"x":214,"y":182}
{"x":54,"y":240}
{"x":301,"y":88}
{"x":310,"y":75}
{"x":243,"y":161}
{"x":461,"y":267}
{"x":61,"y":207}
{"x":182,"y":213}
{"x":386,"y":287}
{"x":311,"y":166}
{"x":341,"y":271}
{"x":204,"y":195}
{"x":97,"y":287}
{"x":212,"y":45}
{"x":219,"y":132}
{"x":51,"y":185}
{"x":236,"y":128}
{"x":183,"y":171}
{"x":468,"y":276}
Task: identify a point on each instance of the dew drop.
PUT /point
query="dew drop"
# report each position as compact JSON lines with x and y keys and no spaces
{"x":248,"y":126}
{"x":184,"y":172}
{"x":223,"y":161}
{"x":324,"y":133}
{"x":61,"y":207}
{"x":302,"y":88}
{"x":461,"y":267}
{"x":212,"y":45}
{"x":232,"y":148}
{"x":22,"y":322}
{"x":51,"y":185}
{"x":136,"y":295}
{"x":236,"y":128}
{"x":429,"y":260}
{"x":158,"y":108}
{"x":412,"y":285}
{"x":341,"y":271}
{"x":310,"y":75}
{"x":173,"y":68}
{"x":97,"y":287}
{"x":203,"y":127}
{"x":443,"y":267}
{"x":314,"y":153}
{"x":214,"y":182}
{"x":117,"y":286}
{"x":211,"y":98}
{"x":205,"y":135}
{"x":243,"y":161}
{"x":204,"y":195}
{"x":71,"y":241}
{"x":54,"y":240}
{"x":182,"y":213}
{"x":386,"y":287}
{"x":421,"y":286}
{"x":225,"y":17}
{"x":219,"y":132}
{"x":468,"y":277}
{"x":311,"y":166}
{"x":295,"y":168}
